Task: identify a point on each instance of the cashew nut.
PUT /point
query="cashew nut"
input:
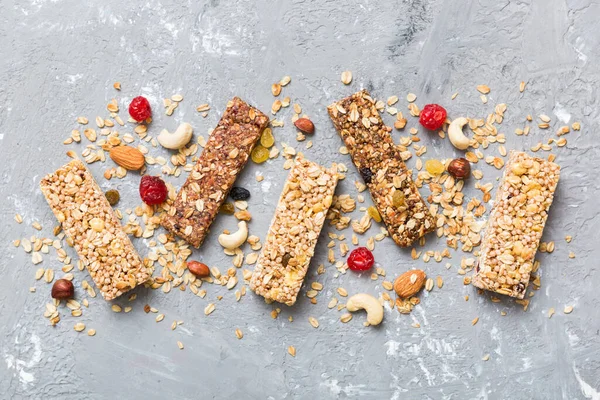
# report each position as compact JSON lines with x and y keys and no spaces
{"x":234,"y":240}
{"x":370,"y":304}
{"x":177,"y":139}
{"x":456,"y":135}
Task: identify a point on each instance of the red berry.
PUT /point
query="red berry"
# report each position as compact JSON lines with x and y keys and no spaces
{"x":139,"y":109}
{"x":433,"y":117}
{"x":153,"y":190}
{"x":360,"y":259}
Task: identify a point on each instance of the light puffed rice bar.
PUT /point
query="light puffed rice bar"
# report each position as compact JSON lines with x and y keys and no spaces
{"x":516,"y":224}
{"x":379,"y":162}
{"x":90,"y":222}
{"x":292,"y":236}
{"x":224,"y":156}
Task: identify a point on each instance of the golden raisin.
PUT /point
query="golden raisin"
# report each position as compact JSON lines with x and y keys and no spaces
{"x":266,"y":139}
{"x":434,"y":167}
{"x":227,"y":208}
{"x":259,"y":154}
{"x":398,"y":199}
{"x":373,"y":213}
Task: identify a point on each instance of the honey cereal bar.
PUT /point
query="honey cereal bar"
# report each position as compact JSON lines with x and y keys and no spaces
{"x":224,"y":156}
{"x":516,"y":224}
{"x":292,"y":236}
{"x":380,"y":164}
{"x":91,"y":224}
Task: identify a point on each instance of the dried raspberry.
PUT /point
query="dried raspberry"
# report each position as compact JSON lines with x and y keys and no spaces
{"x":139,"y":109}
{"x":153,"y":190}
{"x":433,"y":116}
{"x":360,"y":259}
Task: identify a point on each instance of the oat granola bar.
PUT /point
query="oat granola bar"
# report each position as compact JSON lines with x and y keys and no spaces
{"x":516,"y":224}
{"x":91,"y":224}
{"x":208,"y":185}
{"x":292,"y":236}
{"x":379,"y":162}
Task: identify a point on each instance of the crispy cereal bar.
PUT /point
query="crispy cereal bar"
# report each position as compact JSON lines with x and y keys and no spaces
{"x":292,"y":236}
{"x":90,"y":222}
{"x":379,"y":162}
{"x":516,"y":224}
{"x":208,"y":185}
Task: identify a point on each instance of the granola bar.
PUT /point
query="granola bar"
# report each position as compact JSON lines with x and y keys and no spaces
{"x":516,"y":224}
{"x":208,"y":185}
{"x":292,"y":236}
{"x":91,"y":224}
{"x":380,"y":164}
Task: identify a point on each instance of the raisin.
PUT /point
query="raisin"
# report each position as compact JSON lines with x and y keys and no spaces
{"x":373,"y":213}
{"x":366,"y":174}
{"x":259,"y":154}
{"x":398,"y":199}
{"x":227,"y":208}
{"x":266,"y":139}
{"x":285,"y":259}
{"x":113,"y":196}
{"x":434,"y":167}
{"x":239,"y":193}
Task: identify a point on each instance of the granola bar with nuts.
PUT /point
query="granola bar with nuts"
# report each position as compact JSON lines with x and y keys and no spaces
{"x":91,"y":224}
{"x":213,"y":176}
{"x":292,"y":236}
{"x":379,"y":161}
{"x":516,"y":224}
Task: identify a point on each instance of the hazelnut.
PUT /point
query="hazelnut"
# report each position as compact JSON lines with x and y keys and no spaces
{"x":63,"y":289}
{"x":198,"y":269}
{"x":459,"y":168}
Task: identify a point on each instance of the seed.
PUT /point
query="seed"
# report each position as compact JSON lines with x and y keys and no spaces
{"x":346,"y":77}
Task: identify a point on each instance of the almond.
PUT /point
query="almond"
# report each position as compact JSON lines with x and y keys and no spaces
{"x":305,"y":125}
{"x":127,"y":157}
{"x":409,"y":283}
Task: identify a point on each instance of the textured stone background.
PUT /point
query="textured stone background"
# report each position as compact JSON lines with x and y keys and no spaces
{"x":59,"y":59}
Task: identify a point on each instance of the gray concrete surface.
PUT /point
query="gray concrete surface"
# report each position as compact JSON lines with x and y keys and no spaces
{"x":59,"y":59}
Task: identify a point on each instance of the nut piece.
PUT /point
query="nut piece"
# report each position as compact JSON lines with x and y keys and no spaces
{"x":409,"y":283}
{"x":177,"y":139}
{"x":198,"y":269}
{"x":127,"y":157}
{"x":63,"y":289}
{"x":234,"y":240}
{"x":305,"y":125}
{"x":456,"y":135}
{"x":459,"y":168}
{"x":370,"y":304}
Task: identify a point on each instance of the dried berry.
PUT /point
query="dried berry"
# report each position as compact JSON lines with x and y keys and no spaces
{"x":398,"y":199}
{"x":199,"y":269}
{"x":227,"y":208}
{"x":285,"y":259}
{"x":139,"y":109}
{"x":62,"y":289}
{"x":113,"y":196}
{"x":366,"y":174}
{"x":153,"y":190}
{"x":259,"y":154}
{"x":373,"y":213}
{"x":360,"y":259}
{"x":433,"y":116}
{"x":239,"y":193}
{"x":460,"y":168}
{"x":434,"y":167}
{"x":266,"y":139}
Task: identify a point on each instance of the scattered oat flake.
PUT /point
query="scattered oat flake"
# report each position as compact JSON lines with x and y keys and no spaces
{"x":411,"y":97}
{"x":91,"y":332}
{"x":79,"y":326}
{"x":551,"y":312}
{"x":486,"y":357}
{"x":160,"y":317}
{"x":180,"y":345}
{"x":483,"y":89}
{"x":292,"y":351}
{"x":239,"y":334}
{"x":568,"y":309}
{"x":18,"y":218}
{"x":454,"y":95}
{"x":209,"y":309}
{"x":346,"y":77}
{"x":522,"y":86}
{"x":475,"y":320}
{"x":313,"y":321}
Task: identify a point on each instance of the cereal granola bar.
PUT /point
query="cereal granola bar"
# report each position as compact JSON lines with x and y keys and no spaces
{"x":91,"y":224}
{"x":516,"y":224}
{"x":208,"y":185}
{"x":292,"y":236}
{"x":380,"y":164}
